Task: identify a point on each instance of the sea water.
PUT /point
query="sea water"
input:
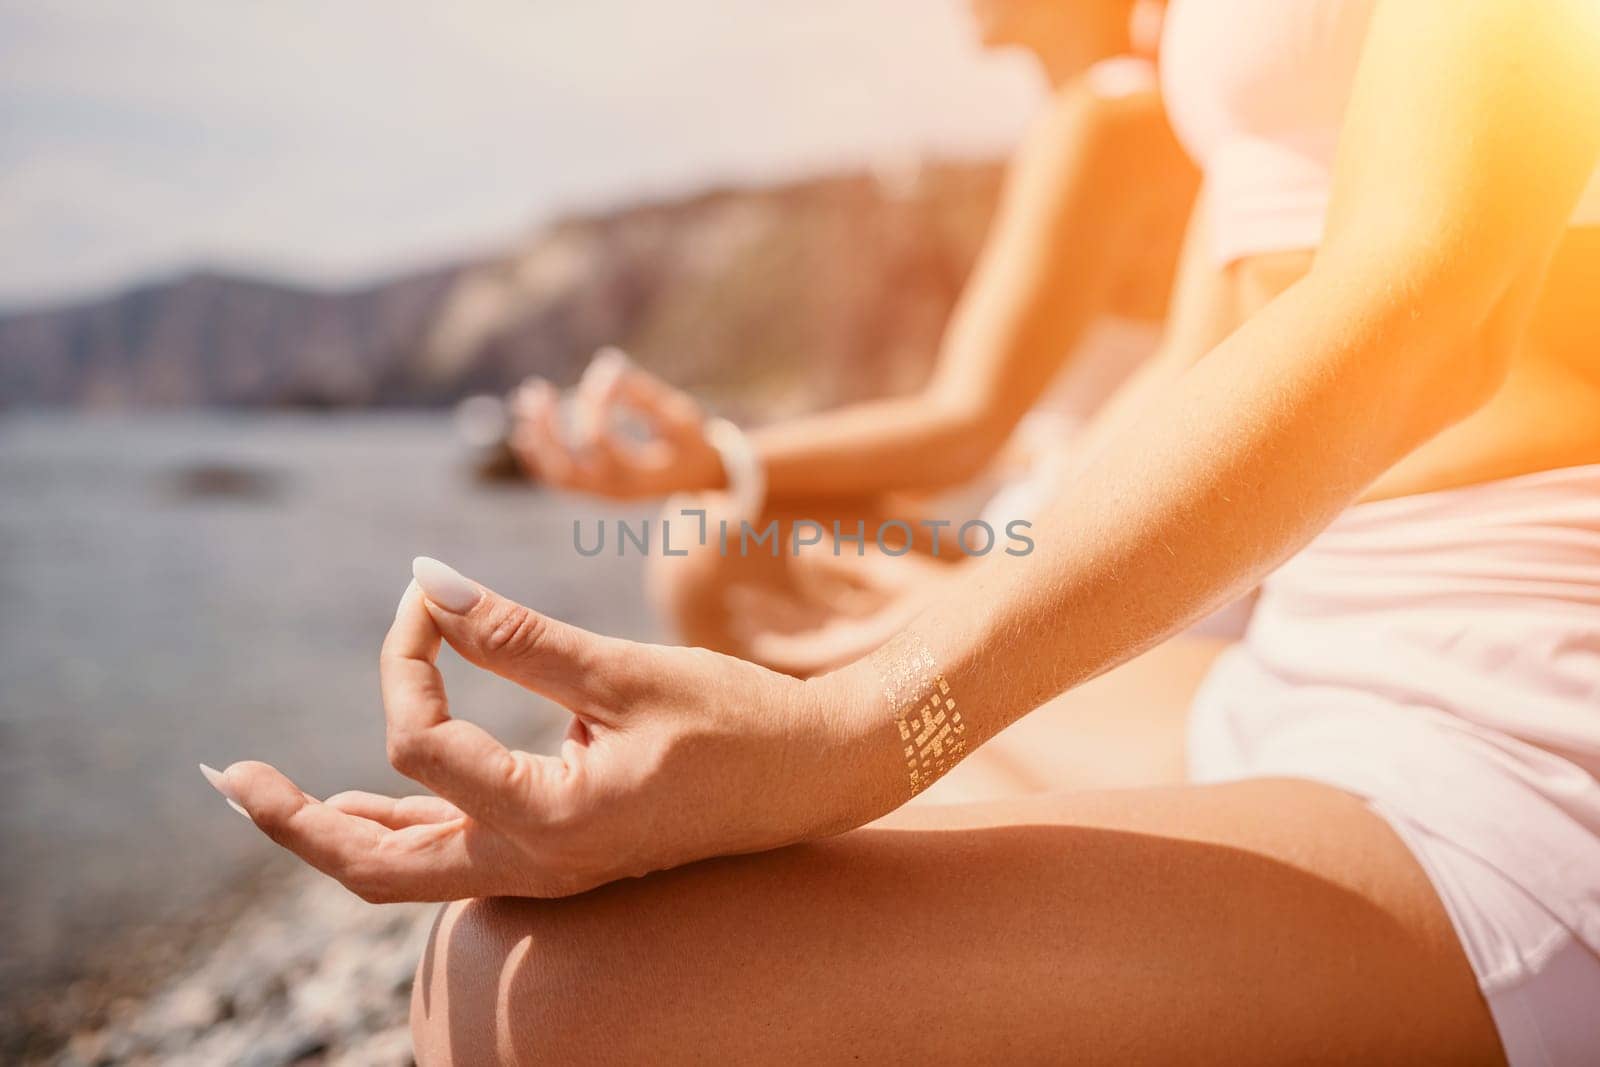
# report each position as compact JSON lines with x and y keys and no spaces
{"x":177,"y":589}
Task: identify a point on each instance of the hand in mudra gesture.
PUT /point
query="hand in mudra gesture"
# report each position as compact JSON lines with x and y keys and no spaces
{"x":593,"y":456}
{"x":672,"y":755}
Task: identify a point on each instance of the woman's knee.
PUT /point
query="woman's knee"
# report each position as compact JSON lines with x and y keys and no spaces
{"x":511,"y":981}
{"x":460,"y":997}
{"x":454,"y":992}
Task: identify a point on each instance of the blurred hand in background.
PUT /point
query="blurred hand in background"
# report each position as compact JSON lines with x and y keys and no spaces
{"x":597,"y":453}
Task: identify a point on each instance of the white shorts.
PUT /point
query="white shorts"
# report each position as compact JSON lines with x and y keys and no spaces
{"x":1438,"y":655}
{"x":1542,"y":984}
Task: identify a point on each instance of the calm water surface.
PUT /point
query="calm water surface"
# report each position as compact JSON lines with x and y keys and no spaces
{"x":147,"y":625}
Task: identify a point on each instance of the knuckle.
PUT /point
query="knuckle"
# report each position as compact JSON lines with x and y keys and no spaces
{"x":410,"y":751}
{"x":274,"y":822}
{"x":516,"y":775}
{"x":513,"y":630}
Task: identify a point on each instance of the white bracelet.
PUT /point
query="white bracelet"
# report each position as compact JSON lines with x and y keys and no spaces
{"x":747,"y":480}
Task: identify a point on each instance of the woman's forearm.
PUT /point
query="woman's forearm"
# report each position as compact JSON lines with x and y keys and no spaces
{"x":1239,"y":463}
{"x":1444,"y":215}
{"x":910,"y":442}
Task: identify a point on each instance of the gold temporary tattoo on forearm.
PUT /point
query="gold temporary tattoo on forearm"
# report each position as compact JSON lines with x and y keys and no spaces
{"x":932,"y":735}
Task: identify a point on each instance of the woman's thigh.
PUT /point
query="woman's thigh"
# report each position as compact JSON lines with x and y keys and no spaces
{"x":1263,"y":921}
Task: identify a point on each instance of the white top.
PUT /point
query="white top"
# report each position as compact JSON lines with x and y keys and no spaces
{"x":1256,"y":90}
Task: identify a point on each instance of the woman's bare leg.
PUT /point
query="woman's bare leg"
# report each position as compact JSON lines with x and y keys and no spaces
{"x":1267,"y":921}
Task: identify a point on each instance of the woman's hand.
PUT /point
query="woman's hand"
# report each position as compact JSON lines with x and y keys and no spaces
{"x":672,"y":755}
{"x":677,"y":457}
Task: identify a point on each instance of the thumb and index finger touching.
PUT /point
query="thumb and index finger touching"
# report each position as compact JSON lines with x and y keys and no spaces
{"x":459,"y":760}
{"x":614,"y":382}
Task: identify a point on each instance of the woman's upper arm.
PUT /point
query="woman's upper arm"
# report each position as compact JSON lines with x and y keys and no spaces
{"x":1054,"y":250}
{"x":1471,"y":131}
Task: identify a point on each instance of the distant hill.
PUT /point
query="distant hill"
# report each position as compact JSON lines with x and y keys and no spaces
{"x":767,"y":299}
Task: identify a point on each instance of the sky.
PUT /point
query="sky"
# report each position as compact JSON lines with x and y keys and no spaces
{"x":336,"y":140}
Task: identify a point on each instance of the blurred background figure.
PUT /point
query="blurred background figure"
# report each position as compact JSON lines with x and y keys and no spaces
{"x":1067,"y":298}
{"x":251,"y":256}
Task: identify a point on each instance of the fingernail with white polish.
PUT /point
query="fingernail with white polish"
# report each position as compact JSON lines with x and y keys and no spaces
{"x":611,"y":355}
{"x":410,"y":586}
{"x":214,"y":776}
{"x":444,"y":585}
{"x":600,"y":363}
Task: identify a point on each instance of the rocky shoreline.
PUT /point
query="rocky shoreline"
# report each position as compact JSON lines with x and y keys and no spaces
{"x":310,"y":974}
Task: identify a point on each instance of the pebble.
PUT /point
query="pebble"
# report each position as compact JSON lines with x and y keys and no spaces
{"x":312,"y":975}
